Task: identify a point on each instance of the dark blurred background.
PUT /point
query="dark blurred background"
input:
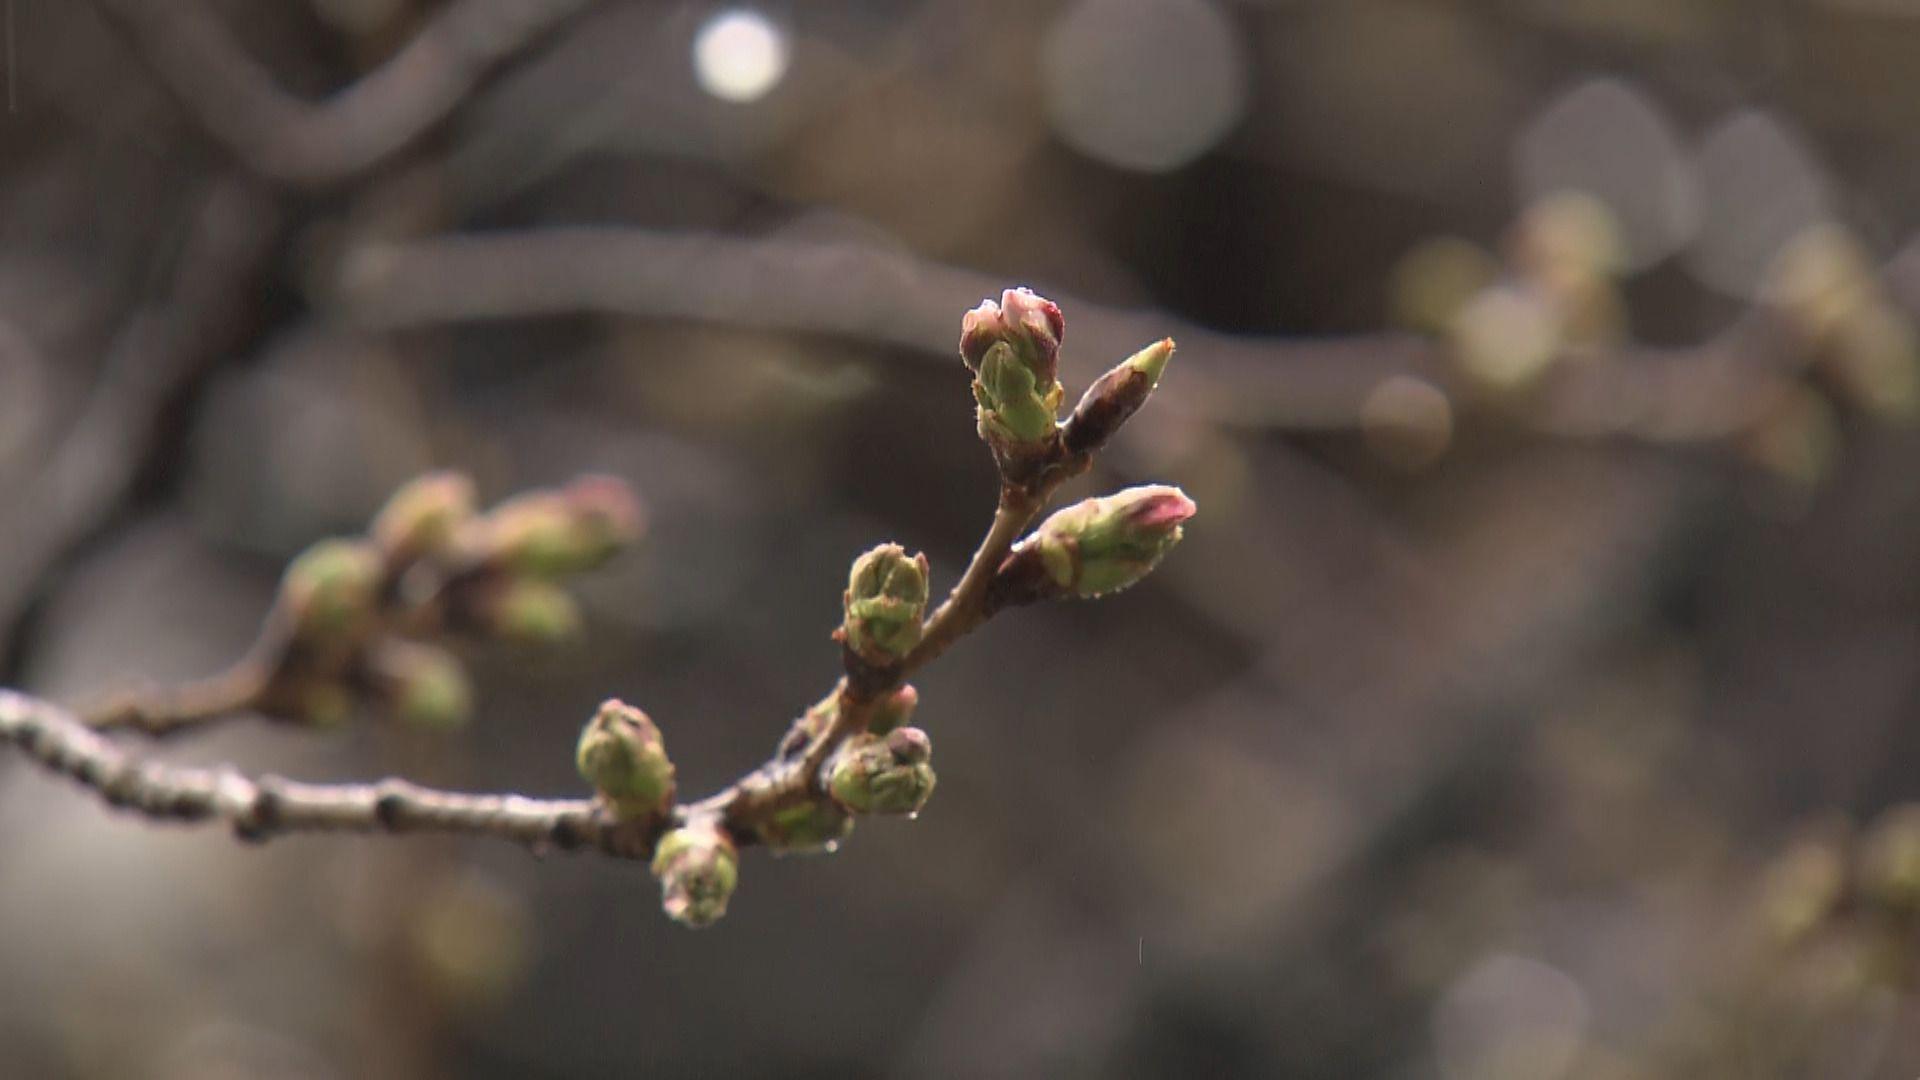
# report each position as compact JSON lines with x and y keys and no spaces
{"x":1527,"y":701}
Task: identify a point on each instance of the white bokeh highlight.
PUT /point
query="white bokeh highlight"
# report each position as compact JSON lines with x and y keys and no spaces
{"x":1147,"y":85}
{"x":739,"y":55}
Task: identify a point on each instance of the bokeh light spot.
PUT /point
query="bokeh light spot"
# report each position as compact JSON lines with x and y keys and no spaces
{"x":739,"y":55}
{"x":1148,"y":85}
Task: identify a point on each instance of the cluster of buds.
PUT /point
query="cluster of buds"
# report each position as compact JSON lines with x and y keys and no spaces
{"x":355,"y":611}
{"x":883,"y":774}
{"x":827,"y":771}
{"x":623,"y":758}
{"x":885,"y":605}
{"x":1013,"y":350}
{"x":1095,"y":547}
{"x":698,"y":866}
{"x":1856,"y":892}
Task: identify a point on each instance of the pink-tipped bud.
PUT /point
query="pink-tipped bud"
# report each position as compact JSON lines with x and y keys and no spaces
{"x":1103,"y":545}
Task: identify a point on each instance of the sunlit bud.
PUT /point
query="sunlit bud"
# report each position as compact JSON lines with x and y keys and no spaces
{"x":1801,"y":888}
{"x":885,"y":601}
{"x":425,"y":686}
{"x":807,"y":828}
{"x":884,"y":774}
{"x":423,"y":517}
{"x":622,"y":756}
{"x":894,"y":710}
{"x":1103,"y":545}
{"x":332,"y":589}
{"x":551,"y":533}
{"x":698,"y":868}
{"x":1013,"y":349}
{"x":531,"y":612}
{"x":1890,"y":858}
{"x":1115,"y":397}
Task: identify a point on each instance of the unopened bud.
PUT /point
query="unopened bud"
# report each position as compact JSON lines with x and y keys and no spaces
{"x":1114,"y":398}
{"x":1103,"y":545}
{"x":698,"y":868}
{"x":424,"y":516}
{"x":807,"y":828}
{"x":1013,"y":350}
{"x":531,"y":612}
{"x":885,"y":601}
{"x":623,"y":757}
{"x":552,"y":533}
{"x":894,"y":710}
{"x":884,"y":774}
{"x":1890,"y":858}
{"x":332,"y":589}
{"x":425,"y":686}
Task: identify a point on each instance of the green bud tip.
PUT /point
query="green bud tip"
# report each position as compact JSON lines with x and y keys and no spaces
{"x":332,"y":588}
{"x":1152,"y":360}
{"x":885,"y":603}
{"x":425,"y":515}
{"x":533,"y":612}
{"x":1103,"y":545}
{"x":894,"y":710}
{"x":806,"y":828}
{"x":623,"y":758}
{"x":698,"y":868}
{"x":888,"y":774}
{"x":427,"y":687}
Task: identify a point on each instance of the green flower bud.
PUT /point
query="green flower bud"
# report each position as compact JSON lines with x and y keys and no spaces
{"x":1101,"y":546}
{"x":425,"y":686}
{"x":1013,"y":350}
{"x":531,"y":612}
{"x":698,"y":868}
{"x":552,"y":533}
{"x":332,"y":589}
{"x":894,"y":710}
{"x":884,"y":774}
{"x":806,"y":828}
{"x":1890,"y":858}
{"x":425,"y":515}
{"x":623,"y":757}
{"x":1115,"y":397}
{"x":885,"y":602}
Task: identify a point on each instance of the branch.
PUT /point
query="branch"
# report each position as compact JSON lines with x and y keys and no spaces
{"x":354,"y":618}
{"x":260,"y":808}
{"x":236,"y":99}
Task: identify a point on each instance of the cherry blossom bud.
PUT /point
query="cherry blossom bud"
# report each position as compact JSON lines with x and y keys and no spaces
{"x":623,"y":757}
{"x":885,"y":603}
{"x":698,"y":868}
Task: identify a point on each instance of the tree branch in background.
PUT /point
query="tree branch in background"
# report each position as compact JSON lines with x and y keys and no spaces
{"x":237,"y":100}
{"x":355,"y":620}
